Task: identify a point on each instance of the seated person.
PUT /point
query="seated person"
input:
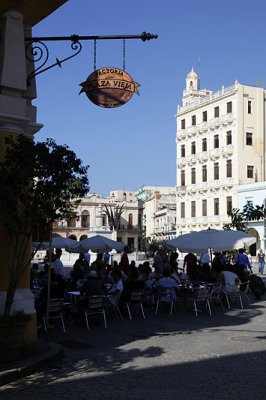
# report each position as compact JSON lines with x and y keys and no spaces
{"x":93,"y":285}
{"x":167,"y":282}
{"x":116,"y":288}
{"x":206,"y":274}
{"x":229,"y":278}
{"x":133,"y":283}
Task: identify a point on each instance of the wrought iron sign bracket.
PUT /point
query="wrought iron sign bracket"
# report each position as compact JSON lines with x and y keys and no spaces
{"x":37,"y":50}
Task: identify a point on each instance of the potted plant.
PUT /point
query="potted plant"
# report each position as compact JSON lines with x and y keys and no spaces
{"x":42,"y":182}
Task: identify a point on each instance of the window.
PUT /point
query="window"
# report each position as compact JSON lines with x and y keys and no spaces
{"x":204,"y":208}
{"x":216,"y":142}
{"x":193,"y":148}
{"x":183,"y":124}
{"x":229,"y":137}
{"x":193,"y":209}
{"x":216,"y":112}
{"x":193,"y":120}
{"x":193,"y":176}
{"x":204,"y":173}
{"x":249,"y":107}
{"x":183,"y":180}
{"x":216,"y":171}
{"x":182,"y":210}
{"x":71,"y":223}
{"x":229,"y":107}
{"x":216,"y":206}
{"x":85,"y":219}
{"x":183,"y":150}
{"x":130,"y":220}
{"x":249,"y":139}
{"x":204,"y":116}
{"x":229,"y":204}
{"x":250,"y":171}
{"x":204,"y":144}
{"x":229,"y":168}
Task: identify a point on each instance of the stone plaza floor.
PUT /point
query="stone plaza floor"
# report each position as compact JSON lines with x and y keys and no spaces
{"x":182,"y":356}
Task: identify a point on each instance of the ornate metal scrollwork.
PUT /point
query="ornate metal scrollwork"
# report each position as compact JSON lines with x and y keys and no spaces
{"x":37,"y":51}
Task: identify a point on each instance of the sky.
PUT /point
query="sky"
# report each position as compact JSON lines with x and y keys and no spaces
{"x":135,"y":144}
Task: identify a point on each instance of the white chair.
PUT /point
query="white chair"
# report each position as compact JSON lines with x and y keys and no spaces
{"x":201,"y":297}
{"x":165,"y":296}
{"x":216,"y":293}
{"x":55,"y":311}
{"x":94,"y":305}
{"x":135,"y":299}
{"x":232,"y":292}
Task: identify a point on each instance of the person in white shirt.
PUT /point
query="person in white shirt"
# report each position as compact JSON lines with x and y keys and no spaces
{"x":229,"y":278}
{"x":116,"y":288}
{"x":57,"y":264}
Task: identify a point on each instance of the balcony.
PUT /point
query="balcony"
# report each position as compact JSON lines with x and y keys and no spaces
{"x":215,"y":153}
{"x":227,"y":119}
{"x":181,"y":189}
{"x":182,"y":162}
{"x":181,"y":134}
{"x":228,"y":150}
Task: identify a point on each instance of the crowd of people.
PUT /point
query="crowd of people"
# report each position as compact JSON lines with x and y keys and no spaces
{"x":120,"y":279}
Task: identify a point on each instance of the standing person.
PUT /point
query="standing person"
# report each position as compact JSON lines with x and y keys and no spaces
{"x":125,"y":261}
{"x":190,"y":262}
{"x":204,"y":258}
{"x":87,"y":257}
{"x":58,"y":265}
{"x":241,"y":260}
{"x":106,"y":258}
{"x":158,"y":262}
{"x":261,"y":261}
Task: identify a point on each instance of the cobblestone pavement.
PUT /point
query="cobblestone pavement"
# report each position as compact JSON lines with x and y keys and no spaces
{"x":182,"y":356}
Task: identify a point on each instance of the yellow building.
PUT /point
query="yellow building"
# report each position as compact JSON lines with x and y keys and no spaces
{"x":17,"y":114}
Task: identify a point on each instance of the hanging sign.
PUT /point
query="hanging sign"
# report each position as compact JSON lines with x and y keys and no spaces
{"x":109,"y":87}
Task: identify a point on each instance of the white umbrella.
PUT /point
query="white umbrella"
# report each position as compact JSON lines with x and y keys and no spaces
{"x":97,"y":243}
{"x":211,"y":239}
{"x":57,"y":242}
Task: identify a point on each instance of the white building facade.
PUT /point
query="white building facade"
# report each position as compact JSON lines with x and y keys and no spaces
{"x":220,"y":144}
{"x":90,"y":218}
{"x":159,"y":212}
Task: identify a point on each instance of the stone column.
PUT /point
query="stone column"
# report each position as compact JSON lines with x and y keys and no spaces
{"x":17,"y":116}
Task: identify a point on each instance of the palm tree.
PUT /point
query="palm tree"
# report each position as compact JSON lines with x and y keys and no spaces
{"x":114,"y":213}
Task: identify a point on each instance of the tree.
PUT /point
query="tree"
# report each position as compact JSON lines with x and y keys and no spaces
{"x":240,"y":219}
{"x":39,"y":183}
{"x":114,"y":214}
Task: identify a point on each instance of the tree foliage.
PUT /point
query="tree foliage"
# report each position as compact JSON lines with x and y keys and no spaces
{"x":39,"y":183}
{"x":240,"y":219}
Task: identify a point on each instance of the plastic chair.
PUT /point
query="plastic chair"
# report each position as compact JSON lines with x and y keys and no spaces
{"x":135,"y":299}
{"x":94,"y":305}
{"x":55,"y":311}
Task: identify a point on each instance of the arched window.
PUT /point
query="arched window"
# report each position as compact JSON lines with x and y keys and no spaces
{"x":73,"y":237}
{"x":130,"y":220}
{"x":85,"y":219}
{"x":82,"y":237}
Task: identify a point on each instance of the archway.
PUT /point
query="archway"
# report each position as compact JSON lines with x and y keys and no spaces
{"x":253,"y":247}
